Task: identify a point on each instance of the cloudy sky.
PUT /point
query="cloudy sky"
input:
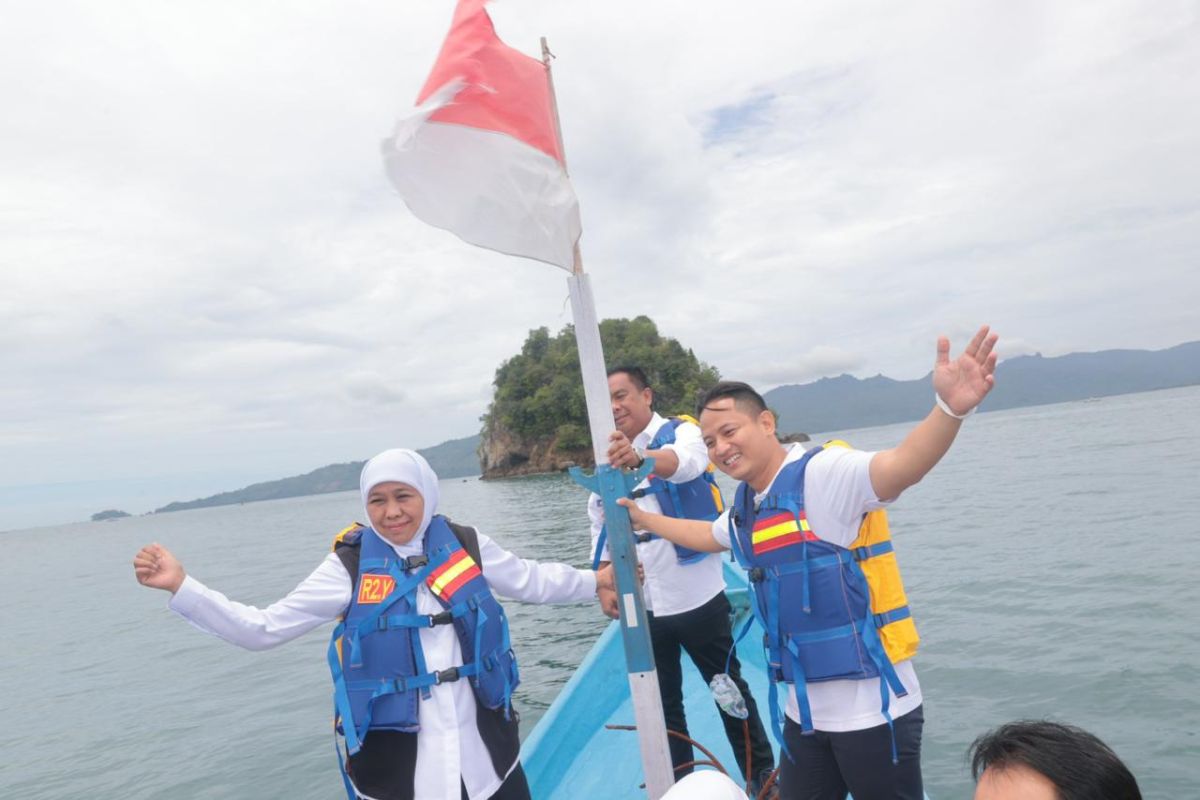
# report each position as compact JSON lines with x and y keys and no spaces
{"x":206,"y":280}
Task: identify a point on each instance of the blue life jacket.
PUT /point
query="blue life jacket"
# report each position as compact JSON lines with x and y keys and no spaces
{"x":375,"y":656}
{"x":811,"y":596}
{"x":699,"y":498}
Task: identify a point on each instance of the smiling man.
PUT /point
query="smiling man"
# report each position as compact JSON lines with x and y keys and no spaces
{"x":684,"y":589}
{"x":810,"y":530}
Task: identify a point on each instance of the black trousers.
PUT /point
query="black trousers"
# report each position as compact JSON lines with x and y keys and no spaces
{"x":827,"y":765}
{"x":385,"y":766}
{"x":515,"y":787}
{"x":705,"y":633}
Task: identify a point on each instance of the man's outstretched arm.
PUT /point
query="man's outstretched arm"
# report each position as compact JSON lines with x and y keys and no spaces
{"x":692,"y":533}
{"x":961,"y":385}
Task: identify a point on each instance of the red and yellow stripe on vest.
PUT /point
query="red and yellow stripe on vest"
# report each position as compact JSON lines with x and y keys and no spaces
{"x":779,"y":530}
{"x":900,"y":638}
{"x":452,"y":575}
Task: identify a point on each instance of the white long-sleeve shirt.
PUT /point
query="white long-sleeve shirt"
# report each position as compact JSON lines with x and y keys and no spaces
{"x":670,"y":587}
{"x":451,"y":748}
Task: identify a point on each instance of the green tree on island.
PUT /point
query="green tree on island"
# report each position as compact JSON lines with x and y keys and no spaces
{"x":538,"y":404}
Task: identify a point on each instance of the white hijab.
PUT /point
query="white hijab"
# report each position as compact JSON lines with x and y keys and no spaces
{"x":404,"y":466}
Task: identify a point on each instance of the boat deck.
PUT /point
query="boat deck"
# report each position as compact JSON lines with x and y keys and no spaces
{"x":571,"y":754}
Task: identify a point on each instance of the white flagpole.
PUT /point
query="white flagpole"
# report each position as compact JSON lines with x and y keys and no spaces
{"x":611,"y":483}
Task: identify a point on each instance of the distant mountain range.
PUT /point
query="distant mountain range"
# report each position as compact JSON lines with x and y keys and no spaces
{"x":453,"y":459}
{"x":833,"y":404}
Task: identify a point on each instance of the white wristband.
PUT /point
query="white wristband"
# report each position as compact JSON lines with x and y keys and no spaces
{"x":942,"y":405}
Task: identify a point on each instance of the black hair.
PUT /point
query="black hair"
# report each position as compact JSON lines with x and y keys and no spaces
{"x":1080,"y":766}
{"x":743,"y":395}
{"x":636,"y":376}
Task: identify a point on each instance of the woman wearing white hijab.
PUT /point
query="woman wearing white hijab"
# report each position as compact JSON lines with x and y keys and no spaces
{"x":432,"y":734}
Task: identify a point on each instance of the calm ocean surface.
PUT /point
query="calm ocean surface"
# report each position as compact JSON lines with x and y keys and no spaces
{"x":1050,"y":560}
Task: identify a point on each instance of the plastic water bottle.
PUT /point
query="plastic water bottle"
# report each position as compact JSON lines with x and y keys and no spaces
{"x":726,"y":693}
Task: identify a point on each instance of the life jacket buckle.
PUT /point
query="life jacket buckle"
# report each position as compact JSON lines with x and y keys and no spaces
{"x":446,"y":676}
{"x":756,"y":574}
{"x":441,"y":618}
{"x":642,"y":538}
{"x":413,"y":562}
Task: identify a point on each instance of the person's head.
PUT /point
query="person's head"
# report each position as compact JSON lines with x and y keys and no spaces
{"x":739,"y":431}
{"x":1040,"y":760}
{"x":632,"y":399}
{"x":400,"y":494}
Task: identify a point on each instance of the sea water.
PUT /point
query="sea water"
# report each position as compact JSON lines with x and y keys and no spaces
{"x":1051,"y":561}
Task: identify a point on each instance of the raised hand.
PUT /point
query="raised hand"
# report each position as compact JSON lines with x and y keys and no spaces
{"x":963,"y":383}
{"x":156,"y":567}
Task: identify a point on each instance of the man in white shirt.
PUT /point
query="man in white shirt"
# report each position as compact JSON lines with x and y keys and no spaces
{"x":861,"y":739}
{"x":684,"y":591}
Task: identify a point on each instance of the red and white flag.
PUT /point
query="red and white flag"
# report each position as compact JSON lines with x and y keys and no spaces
{"x":480,"y":157}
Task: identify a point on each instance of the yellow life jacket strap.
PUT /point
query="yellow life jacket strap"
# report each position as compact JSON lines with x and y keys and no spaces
{"x":344,"y":532}
{"x":711,"y":469}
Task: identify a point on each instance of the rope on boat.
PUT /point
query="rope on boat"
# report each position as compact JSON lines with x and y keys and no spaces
{"x":712,"y":760}
{"x":764,"y":792}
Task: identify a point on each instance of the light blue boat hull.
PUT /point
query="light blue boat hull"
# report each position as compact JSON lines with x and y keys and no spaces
{"x":571,"y":754}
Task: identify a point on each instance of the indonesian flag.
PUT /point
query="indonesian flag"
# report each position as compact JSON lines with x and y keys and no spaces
{"x":480,"y":156}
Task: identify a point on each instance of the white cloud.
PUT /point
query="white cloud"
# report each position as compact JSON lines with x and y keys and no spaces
{"x":819,"y":362}
{"x":201,"y":262}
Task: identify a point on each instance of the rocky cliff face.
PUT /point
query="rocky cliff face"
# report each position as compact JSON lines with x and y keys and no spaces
{"x":503,"y":454}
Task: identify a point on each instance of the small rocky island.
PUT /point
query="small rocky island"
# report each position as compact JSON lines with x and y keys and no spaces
{"x":111,"y":513}
{"x":537,"y":421}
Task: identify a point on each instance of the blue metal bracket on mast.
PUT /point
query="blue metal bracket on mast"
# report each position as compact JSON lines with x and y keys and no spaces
{"x":612,"y":483}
